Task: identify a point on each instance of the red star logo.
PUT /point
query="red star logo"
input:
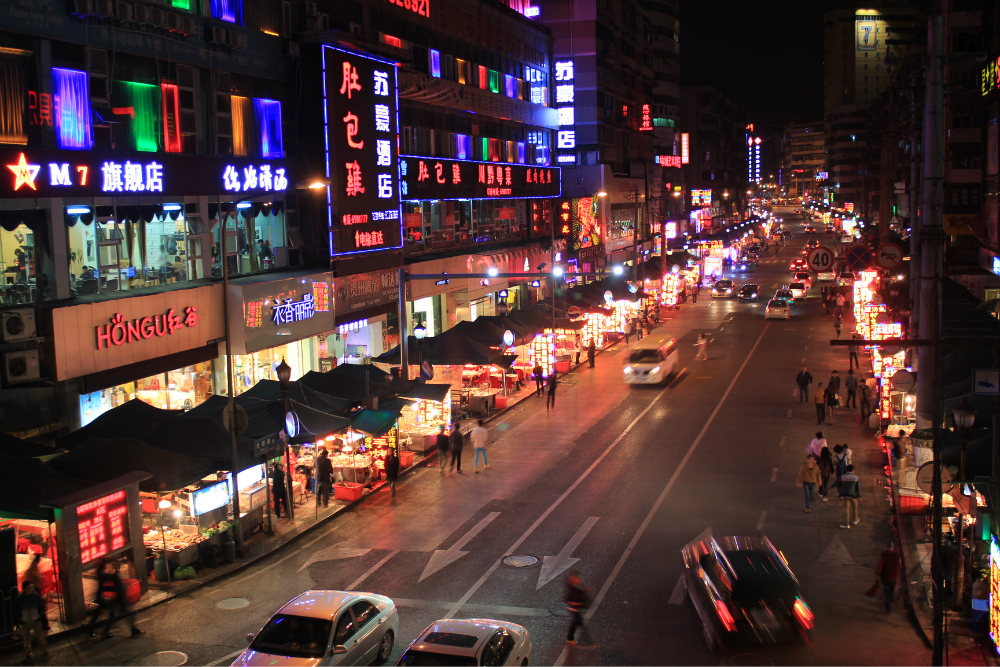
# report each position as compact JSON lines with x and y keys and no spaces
{"x":25,"y":173}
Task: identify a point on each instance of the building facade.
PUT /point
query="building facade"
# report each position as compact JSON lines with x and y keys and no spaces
{"x":803,"y":159}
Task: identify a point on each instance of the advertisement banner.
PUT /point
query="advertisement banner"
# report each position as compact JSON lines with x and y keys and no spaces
{"x":281,"y":311}
{"x":360,"y":291}
{"x":426,"y":178}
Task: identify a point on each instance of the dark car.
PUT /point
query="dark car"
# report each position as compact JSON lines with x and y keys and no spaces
{"x":746,"y":264}
{"x":744,"y":592}
{"x":722,"y":288}
{"x":749,"y":292}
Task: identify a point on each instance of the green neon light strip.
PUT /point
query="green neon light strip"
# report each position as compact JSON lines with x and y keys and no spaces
{"x":145,"y":100}
{"x":495,"y":81}
{"x":181,"y":4}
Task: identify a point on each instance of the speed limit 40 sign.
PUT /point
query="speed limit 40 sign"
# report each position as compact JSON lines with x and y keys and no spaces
{"x":820,"y":259}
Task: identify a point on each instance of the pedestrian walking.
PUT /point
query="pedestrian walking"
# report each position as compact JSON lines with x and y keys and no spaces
{"x":702,"y":345}
{"x":832,"y":400}
{"x":694,"y":294}
{"x":887,"y":572}
{"x":825,"y":293}
{"x":479,"y":437}
{"x":391,"y":470}
{"x":278,"y":496}
{"x":849,"y":490}
{"x":803,"y":380}
{"x":816,"y":445}
{"x":456,"y":447}
{"x":809,"y":478}
{"x":841,"y":300}
{"x":866,"y":399}
{"x":851,"y":384}
{"x":30,"y":613}
{"x":834,"y":382}
{"x":591,"y":351}
{"x":838,"y":324}
{"x":853,"y":359}
{"x":628,"y":330}
{"x":110,"y":595}
{"x":825,"y":465}
{"x":578,"y":598}
{"x":578,"y":341}
{"x":839,"y":463}
{"x":538,"y":372}
{"x":442,"y":445}
{"x":819,"y":398}
{"x":550,"y":399}
{"x":638,"y":328}
{"x":324,"y":477}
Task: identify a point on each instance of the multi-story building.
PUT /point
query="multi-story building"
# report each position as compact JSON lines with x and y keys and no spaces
{"x":803,"y":159}
{"x":717,"y":172}
{"x":847,"y":148}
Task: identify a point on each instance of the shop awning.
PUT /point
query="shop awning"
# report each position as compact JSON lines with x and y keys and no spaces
{"x":374,"y":422}
{"x":363,"y":372}
{"x":428,"y":392}
{"x":11,"y":446}
{"x":536,"y":317}
{"x":198,"y":434}
{"x":128,"y":420}
{"x":270,"y":390}
{"x":523,"y":333}
{"x":28,"y":484}
{"x":343,"y":386}
{"x":103,"y":459}
{"x":267,"y":418}
{"x":569,"y":325}
{"x":444,"y":350}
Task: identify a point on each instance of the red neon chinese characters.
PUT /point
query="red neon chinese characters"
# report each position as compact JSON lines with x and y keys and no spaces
{"x":352,"y":130}
{"x":439,"y":170}
{"x":350,"y":80}
{"x":647,"y":123}
{"x":102,"y":526}
{"x":456,"y":174}
{"x":354,"y":218}
{"x":368,"y":239}
{"x":354,"y":186}
{"x":422,"y":174}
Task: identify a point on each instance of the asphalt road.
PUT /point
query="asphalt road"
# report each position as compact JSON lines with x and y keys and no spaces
{"x":613,"y":482}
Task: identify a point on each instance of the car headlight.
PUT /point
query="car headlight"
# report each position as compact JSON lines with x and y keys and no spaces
{"x":655,"y":370}
{"x":743,"y":267}
{"x":729,"y":291}
{"x":628,"y":369}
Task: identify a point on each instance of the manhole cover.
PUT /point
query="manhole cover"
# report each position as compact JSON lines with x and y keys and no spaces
{"x":748,"y":659}
{"x":520,"y":561}
{"x":232,"y":603}
{"x":166,"y":659}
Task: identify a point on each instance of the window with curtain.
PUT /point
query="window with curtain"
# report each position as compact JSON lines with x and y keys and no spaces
{"x":243,"y":126}
{"x":137,"y":105}
{"x":268,"y":114}
{"x":227,"y":10}
{"x":72,"y":102}
{"x":13,"y":97}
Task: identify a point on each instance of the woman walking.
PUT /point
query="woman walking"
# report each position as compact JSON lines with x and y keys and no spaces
{"x":831,"y":402}
{"x":825,"y":465}
{"x":702,"y":345}
{"x":809,"y":477}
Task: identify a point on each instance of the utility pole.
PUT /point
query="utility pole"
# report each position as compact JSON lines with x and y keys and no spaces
{"x":915,"y":139}
{"x":929,"y":357}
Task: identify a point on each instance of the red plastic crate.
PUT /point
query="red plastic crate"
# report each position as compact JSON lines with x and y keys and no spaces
{"x":912,"y":505}
{"x":349,"y":491}
{"x":405,"y":459}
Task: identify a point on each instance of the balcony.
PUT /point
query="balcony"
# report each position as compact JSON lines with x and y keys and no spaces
{"x":966,"y":176}
{"x":445,"y":239}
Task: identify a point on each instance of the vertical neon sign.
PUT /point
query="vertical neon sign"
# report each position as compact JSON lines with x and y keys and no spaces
{"x":565,"y":101}
{"x":171,"y":118}
{"x":72,"y":100}
{"x":685,"y":148}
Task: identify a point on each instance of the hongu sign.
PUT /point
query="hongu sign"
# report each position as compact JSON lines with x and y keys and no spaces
{"x":122,"y":331}
{"x":428,"y":178}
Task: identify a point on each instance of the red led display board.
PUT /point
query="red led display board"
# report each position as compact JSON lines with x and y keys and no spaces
{"x":427,"y":178}
{"x":103,"y":526}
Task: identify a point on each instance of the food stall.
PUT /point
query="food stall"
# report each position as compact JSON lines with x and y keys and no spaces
{"x":428,"y":406}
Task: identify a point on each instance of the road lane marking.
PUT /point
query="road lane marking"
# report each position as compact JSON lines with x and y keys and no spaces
{"x":782,"y":443}
{"x":763,"y":515}
{"x":225,"y":658}
{"x":663,"y":495}
{"x":357,"y":582}
{"x":558,"y":501}
{"x":789,"y":413}
{"x":477,"y":610}
{"x":553,"y":566}
{"x":806,"y":347}
{"x":442,"y":558}
{"x":774,"y":475}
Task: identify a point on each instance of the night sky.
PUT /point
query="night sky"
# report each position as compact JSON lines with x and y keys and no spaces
{"x":765,"y":57}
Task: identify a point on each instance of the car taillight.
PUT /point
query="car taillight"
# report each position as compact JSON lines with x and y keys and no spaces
{"x":725,"y":616}
{"x":803,"y":614}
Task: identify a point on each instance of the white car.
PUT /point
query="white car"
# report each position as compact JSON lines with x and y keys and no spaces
{"x":777,"y":309}
{"x":326,"y":628}
{"x":798,"y":290}
{"x":472,"y":641}
{"x":846,"y":279}
{"x":829,"y":275}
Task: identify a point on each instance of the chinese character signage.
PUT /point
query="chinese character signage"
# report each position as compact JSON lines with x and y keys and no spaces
{"x":103,"y":526}
{"x":121,"y":331}
{"x":565,"y":104}
{"x":55,"y":173}
{"x":701,"y":197}
{"x":280,"y":311}
{"x":988,"y":79}
{"x":685,"y":147}
{"x":669,"y":160}
{"x":362,"y":126}
{"x":994,"y":591}
{"x":647,"y":121}
{"x":424,"y":178}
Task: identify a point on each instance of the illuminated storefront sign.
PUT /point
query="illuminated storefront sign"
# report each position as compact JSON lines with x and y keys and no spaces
{"x":685,"y":148}
{"x":756,"y":159}
{"x":122,"y":331}
{"x":647,"y":121}
{"x":670,"y":230}
{"x":995,"y":591}
{"x":56,"y":173}
{"x":103,"y":526}
{"x":565,"y":104}
{"x":701,"y":198}
{"x":281,"y":311}
{"x":669,"y":160}
{"x":294,"y":311}
{"x":418,"y":7}
{"x":427,"y":178}
{"x":988,"y":76}
{"x":362,"y":125}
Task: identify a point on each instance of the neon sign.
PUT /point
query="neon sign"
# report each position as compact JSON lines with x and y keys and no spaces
{"x":701,"y":197}
{"x":102,"y":525}
{"x":25,"y":173}
{"x":685,"y":148}
{"x":424,"y":178}
{"x":254,"y":177}
{"x":294,"y":311}
{"x":122,"y":331}
{"x":647,"y":121}
{"x":132,"y":177}
{"x":995,"y":592}
{"x":669,"y":160}
{"x":565,"y":94}
{"x":419,"y":7}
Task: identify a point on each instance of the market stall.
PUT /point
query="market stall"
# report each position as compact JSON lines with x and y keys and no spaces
{"x":429,"y":407}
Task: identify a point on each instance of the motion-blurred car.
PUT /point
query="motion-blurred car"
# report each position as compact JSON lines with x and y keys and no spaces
{"x":785,"y":295}
{"x":749,"y":292}
{"x":746,"y":264}
{"x":744,"y":592}
{"x":722,"y":288}
{"x":325,"y":628}
{"x":471,"y":641}
{"x":798,"y":290}
{"x":846,"y":279}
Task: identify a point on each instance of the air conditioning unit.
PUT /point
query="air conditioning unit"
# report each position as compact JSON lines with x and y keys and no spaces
{"x":124,"y":11}
{"x":18,"y":325}
{"x":175,"y":22}
{"x":143,"y":14}
{"x":188,"y":26}
{"x":81,"y":7}
{"x":311,"y":9}
{"x":292,"y":49}
{"x":217,"y":35}
{"x":104,"y":8}
{"x":235,"y":40}
{"x":159,"y":18}
{"x":20,"y":367}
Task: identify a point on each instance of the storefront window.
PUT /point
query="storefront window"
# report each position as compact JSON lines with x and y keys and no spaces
{"x":17,"y":250}
{"x":426,"y":313}
{"x":356,"y":342}
{"x":181,"y":389}
{"x":254,"y":235}
{"x":249,"y":369}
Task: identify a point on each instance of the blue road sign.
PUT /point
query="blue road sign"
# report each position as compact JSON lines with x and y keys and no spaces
{"x":858,"y":258}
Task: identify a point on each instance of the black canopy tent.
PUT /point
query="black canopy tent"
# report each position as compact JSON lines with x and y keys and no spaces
{"x":29,"y":484}
{"x":523,"y":333}
{"x":196,"y":434}
{"x":11,"y":446}
{"x":375,"y":423}
{"x":267,"y":418}
{"x":128,"y":420}
{"x":104,"y":459}
{"x":343,"y":386}
{"x":428,"y":392}
{"x":270,"y":390}
{"x":445,"y":350}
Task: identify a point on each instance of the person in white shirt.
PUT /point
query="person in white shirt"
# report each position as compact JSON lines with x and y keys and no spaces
{"x":479,"y":437}
{"x":816,"y":445}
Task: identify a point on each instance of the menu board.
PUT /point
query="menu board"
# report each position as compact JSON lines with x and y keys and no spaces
{"x":103,"y":526}
{"x":210,"y":498}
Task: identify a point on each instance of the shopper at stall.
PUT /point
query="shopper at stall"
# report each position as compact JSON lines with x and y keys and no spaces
{"x":324,"y":477}
{"x":31,"y":615}
{"x":550,"y":399}
{"x":591,"y":352}
{"x":538,"y":373}
{"x":456,"y":447}
{"x":278,"y":492}
{"x":392,"y":470}
{"x":442,"y":447}
{"x":480,"y":437}
{"x":809,"y":477}
{"x":110,"y":595}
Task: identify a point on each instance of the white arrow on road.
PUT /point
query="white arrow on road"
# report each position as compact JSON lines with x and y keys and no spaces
{"x":442,"y":558}
{"x":553,"y":566}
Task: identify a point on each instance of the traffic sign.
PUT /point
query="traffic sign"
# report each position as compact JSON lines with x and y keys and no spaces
{"x":820,"y":259}
{"x":889,"y":256}
{"x":986,"y":381}
{"x":858,"y":258}
{"x":925,"y":478}
{"x":903,"y":381}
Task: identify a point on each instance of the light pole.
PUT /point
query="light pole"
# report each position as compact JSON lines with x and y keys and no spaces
{"x":964,"y":419}
{"x":284,"y":372}
{"x":419,"y":332}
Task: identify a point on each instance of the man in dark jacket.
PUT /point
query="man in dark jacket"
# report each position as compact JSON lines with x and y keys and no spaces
{"x":851,"y":384}
{"x":442,"y":446}
{"x":538,"y":372}
{"x":30,"y":614}
{"x":324,"y":477}
{"x":887,"y":572}
{"x":803,"y":380}
{"x":577,"y":600}
{"x":392,"y":470}
{"x":110,"y":594}
{"x":278,"y":490}
{"x":591,"y":351}
{"x":849,"y":489}
{"x":456,"y":447}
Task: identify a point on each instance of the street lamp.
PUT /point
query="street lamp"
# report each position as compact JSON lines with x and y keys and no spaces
{"x":284,"y":373}
{"x":419,"y":332}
